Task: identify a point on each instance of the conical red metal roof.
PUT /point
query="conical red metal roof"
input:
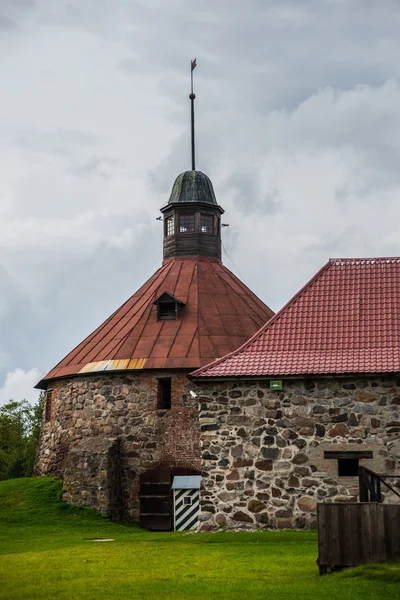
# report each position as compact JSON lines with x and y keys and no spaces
{"x":219,"y":314}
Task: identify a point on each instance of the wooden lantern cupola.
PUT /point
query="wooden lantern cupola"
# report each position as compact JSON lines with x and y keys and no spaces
{"x":192,"y":218}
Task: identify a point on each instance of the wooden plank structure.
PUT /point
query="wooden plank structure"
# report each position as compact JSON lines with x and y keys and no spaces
{"x":351,"y":534}
{"x":156,"y":499}
{"x":370,"y":484}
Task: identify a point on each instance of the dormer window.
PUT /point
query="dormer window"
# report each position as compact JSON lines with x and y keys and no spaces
{"x":206,"y":223}
{"x":186,"y":224}
{"x":167,"y":311}
{"x":169,"y":226}
{"x":168,"y":307}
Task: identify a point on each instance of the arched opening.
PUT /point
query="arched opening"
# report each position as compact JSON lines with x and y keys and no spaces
{"x":156,"y":497}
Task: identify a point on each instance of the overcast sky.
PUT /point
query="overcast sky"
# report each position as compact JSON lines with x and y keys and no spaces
{"x":298,"y":121}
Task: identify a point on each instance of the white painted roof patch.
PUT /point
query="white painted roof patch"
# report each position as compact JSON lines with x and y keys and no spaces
{"x":186,"y":482}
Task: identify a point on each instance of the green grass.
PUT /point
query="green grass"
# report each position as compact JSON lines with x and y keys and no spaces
{"x":46,"y":553}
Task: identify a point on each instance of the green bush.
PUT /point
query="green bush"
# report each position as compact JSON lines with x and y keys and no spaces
{"x":20,"y":424}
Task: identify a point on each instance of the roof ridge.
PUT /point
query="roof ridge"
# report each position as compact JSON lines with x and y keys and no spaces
{"x":379,"y":259}
{"x":174,"y":339}
{"x":193,"y":338}
{"x":204,"y":322}
{"x":267,"y":325}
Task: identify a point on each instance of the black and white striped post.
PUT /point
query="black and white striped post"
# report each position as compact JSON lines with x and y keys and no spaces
{"x":186,"y":490}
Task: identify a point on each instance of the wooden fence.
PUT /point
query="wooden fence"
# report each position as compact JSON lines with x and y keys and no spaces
{"x":357,"y":533}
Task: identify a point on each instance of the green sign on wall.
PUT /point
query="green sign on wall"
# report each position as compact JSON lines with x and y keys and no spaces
{"x":276,"y":384}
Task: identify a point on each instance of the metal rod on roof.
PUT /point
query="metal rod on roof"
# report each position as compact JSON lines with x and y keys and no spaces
{"x":192,"y":96}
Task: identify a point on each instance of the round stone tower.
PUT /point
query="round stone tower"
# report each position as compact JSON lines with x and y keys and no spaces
{"x":121,"y":415}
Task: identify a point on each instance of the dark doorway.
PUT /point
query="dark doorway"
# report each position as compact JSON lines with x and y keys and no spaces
{"x":156,"y":502}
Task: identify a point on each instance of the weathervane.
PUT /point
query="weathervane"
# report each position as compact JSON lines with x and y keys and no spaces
{"x":192,"y":96}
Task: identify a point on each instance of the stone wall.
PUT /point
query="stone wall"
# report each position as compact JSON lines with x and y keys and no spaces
{"x":92,"y":476}
{"x":263,"y":451}
{"x":122,"y":406}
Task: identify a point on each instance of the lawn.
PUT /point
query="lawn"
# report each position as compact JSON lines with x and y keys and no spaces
{"x":46,"y":552}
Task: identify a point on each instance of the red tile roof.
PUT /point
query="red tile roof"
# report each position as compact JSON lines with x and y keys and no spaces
{"x":345,"y":320}
{"x":219,"y":315}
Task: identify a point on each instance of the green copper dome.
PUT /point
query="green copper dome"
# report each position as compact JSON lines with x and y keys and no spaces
{"x":192,"y":186}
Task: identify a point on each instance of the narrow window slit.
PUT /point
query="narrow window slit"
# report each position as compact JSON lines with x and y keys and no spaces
{"x":48,"y":406}
{"x":164,"y":393}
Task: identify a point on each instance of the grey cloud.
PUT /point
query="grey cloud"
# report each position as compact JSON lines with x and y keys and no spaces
{"x":13,"y":13}
{"x":6,"y":23}
{"x":271,"y":201}
{"x":17,"y":325}
{"x":332,"y":245}
{"x":16,"y":5}
{"x":280,"y":57}
{"x":128,"y":65}
{"x":60,"y":142}
{"x":297,"y":120}
{"x":162,"y":178}
{"x":248,"y":194}
{"x":101,"y":166}
{"x":22,"y":3}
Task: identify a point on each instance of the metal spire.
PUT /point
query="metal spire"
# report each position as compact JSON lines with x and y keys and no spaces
{"x":192,"y":96}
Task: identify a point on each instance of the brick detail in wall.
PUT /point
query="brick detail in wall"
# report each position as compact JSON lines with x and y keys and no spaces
{"x":263,"y":452}
{"x":122,"y":407}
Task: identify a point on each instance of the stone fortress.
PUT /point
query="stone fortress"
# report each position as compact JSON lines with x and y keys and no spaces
{"x":194,"y":377}
{"x":280,"y":422}
{"x":118,"y":407}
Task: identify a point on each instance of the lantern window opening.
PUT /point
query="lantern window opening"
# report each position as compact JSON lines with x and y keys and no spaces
{"x":186,"y":223}
{"x":169,"y":226}
{"x":207,"y":223}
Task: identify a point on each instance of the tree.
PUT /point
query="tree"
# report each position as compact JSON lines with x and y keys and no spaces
{"x":20,"y":424}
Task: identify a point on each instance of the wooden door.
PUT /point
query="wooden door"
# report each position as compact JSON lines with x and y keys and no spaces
{"x":156,"y":500}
